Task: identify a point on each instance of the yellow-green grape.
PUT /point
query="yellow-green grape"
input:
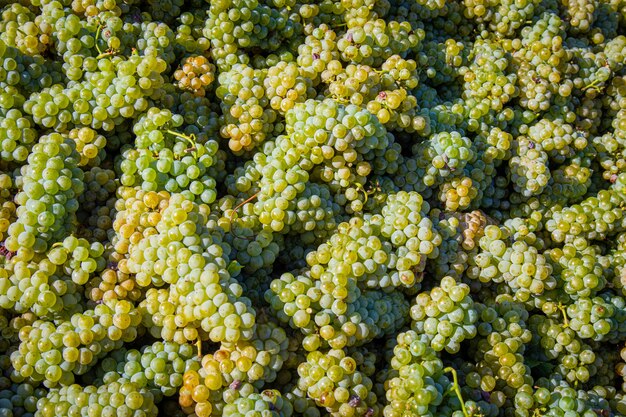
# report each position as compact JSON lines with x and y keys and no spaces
{"x":256,"y":361}
{"x":556,"y":137}
{"x":17,"y":398}
{"x":487,"y":85}
{"x":229,"y":26}
{"x":339,"y":316}
{"x":248,"y":118}
{"x":592,"y":218}
{"x":284,"y":86}
{"x":503,"y":343}
{"x":189,"y":32}
{"x":19,"y":29}
{"x":193,"y":254}
{"x":375,"y":41}
{"x":444,"y":154}
{"x":580,"y":268}
{"x":538,"y":77}
{"x":268,"y":402}
{"x":317,"y":51}
{"x":575,"y":360}
{"x":159,"y":366}
{"x":50,"y":107}
{"x":580,"y":14}
{"x":596,"y":318}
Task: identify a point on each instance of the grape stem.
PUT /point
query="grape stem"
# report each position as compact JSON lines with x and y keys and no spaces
{"x":457,"y":389}
{"x":561,"y":307}
{"x":593,"y":84}
{"x":191,"y":139}
{"x":232,"y":216}
{"x":107,"y":53}
{"x":199,"y":347}
{"x":342,"y":100}
{"x":359,"y":187}
{"x":98,"y":38}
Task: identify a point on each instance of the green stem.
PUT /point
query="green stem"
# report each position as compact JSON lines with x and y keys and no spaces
{"x":359,"y":187}
{"x":565,"y":319}
{"x":593,"y":84}
{"x":191,"y":139}
{"x":231,"y":218}
{"x":97,"y":38}
{"x":457,"y":389}
{"x":105,"y":54}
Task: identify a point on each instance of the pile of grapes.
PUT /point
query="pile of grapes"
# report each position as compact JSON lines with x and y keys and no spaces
{"x":312,"y":208}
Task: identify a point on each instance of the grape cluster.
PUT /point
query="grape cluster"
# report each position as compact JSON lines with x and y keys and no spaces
{"x":248,"y":118}
{"x":17,"y":399}
{"x":501,"y":369}
{"x":159,"y":366}
{"x":333,"y":381}
{"x":90,"y":145}
{"x":195,"y":74}
{"x":201,"y":294}
{"x":164,"y":159}
{"x":520,"y":265}
{"x":18,"y":135}
{"x":48,"y":202}
{"x":444,"y":316}
{"x":7,"y":207}
{"x":417,"y":382}
{"x":577,"y":360}
{"x":54,"y":354}
{"x":117,"y":395}
{"x":236,"y":26}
